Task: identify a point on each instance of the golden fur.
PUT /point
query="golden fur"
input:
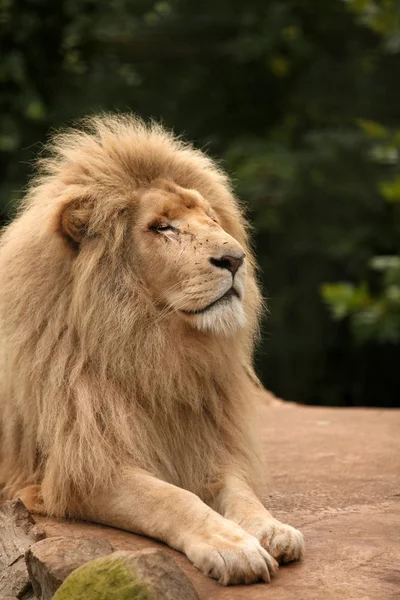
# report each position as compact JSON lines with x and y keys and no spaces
{"x":105,"y":362}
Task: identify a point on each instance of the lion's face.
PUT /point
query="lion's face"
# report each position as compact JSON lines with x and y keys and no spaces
{"x":191,"y":265}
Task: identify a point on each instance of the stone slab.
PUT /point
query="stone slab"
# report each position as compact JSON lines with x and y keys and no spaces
{"x":334,"y":474}
{"x":18,"y":532}
{"x":50,"y":561}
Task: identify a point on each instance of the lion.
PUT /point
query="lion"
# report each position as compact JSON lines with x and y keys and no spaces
{"x":129,"y":310}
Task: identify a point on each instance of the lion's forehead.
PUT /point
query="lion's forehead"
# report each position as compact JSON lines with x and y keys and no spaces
{"x":174,"y":203}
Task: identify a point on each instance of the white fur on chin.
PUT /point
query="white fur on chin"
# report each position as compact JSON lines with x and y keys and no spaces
{"x":223,"y":319}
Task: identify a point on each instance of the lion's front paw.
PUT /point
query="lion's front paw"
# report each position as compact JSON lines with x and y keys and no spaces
{"x":283,"y":542}
{"x":232,"y":557}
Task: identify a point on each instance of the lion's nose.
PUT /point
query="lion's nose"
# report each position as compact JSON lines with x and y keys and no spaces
{"x":232,"y":263}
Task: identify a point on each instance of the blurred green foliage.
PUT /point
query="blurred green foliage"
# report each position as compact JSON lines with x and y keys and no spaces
{"x":373,"y":311}
{"x":301,"y":101}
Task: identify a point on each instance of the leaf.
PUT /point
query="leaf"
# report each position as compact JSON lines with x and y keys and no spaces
{"x":390,"y":190}
{"x":373,"y":129}
{"x":383,"y":263}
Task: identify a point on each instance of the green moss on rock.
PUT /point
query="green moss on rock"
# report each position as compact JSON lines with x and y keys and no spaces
{"x":106,"y":578}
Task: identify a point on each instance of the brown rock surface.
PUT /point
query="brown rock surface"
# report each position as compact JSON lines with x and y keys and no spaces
{"x":168,"y":581}
{"x":53,"y":559}
{"x":334,"y":474}
{"x":18,"y":531}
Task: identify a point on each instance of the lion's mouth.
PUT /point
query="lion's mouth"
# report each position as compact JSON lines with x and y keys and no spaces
{"x":231,"y":293}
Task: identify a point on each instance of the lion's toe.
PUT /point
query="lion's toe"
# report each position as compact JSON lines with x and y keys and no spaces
{"x":236,"y":561}
{"x":287,"y":544}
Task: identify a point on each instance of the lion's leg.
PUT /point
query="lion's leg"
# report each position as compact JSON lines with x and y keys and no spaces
{"x":237,"y":501}
{"x":140,"y":503}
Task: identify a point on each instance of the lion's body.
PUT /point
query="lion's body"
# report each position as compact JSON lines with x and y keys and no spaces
{"x":127,"y":316}
{"x":87,"y":381}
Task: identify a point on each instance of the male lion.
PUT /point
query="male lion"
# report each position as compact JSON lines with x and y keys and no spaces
{"x":129,"y":308}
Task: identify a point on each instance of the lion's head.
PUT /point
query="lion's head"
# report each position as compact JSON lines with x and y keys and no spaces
{"x":184,"y":228}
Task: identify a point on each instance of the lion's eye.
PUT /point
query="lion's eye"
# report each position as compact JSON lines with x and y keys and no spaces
{"x":161,"y":227}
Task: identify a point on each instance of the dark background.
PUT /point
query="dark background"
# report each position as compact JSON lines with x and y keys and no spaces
{"x":301,"y":102}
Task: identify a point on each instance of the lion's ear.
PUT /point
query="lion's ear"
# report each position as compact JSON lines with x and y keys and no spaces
{"x":74,"y":219}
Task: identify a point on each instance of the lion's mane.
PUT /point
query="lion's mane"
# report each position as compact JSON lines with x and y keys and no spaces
{"x":90,"y":378}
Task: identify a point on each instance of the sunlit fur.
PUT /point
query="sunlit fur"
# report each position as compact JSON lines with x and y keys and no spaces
{"x":95,"y":373}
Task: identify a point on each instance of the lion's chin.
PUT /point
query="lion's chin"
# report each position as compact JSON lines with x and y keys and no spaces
{"x":225,"y":318}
